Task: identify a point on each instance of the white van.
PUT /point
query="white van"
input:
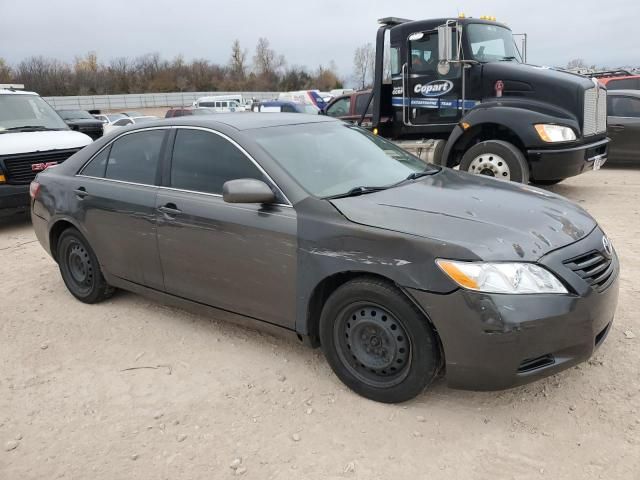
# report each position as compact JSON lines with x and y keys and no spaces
{"x":222,"y":103}
{"x":32,"y":137}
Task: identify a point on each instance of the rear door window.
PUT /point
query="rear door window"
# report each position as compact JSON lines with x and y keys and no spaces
{"x":97,"y":166}
{"x":361,"y":103}
{"x":135,"y":157}
{"x":204,"y":161}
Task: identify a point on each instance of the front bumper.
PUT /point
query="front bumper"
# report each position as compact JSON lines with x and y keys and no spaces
{"x":13,"y":198}
{"x":566,"y":162}
{"x":494,"y":341}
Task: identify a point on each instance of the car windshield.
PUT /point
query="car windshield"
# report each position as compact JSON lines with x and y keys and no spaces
{"x":329,"y":159}
{"x":75,"y":115}
{"x":490,"y":43}
{"x":311,"y":109}
{"x":29,"y":112}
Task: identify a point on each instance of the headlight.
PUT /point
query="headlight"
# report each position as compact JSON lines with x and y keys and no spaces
{"x":555,"y":133}
{"x":517,"y":278}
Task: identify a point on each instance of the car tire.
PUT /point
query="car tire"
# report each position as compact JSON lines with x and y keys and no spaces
{"x":498,"y":159}
{"x":80,"y":269}
{"x":377,"y":341}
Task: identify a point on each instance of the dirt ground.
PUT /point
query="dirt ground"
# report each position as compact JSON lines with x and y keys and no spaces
{"x":216,"y":396}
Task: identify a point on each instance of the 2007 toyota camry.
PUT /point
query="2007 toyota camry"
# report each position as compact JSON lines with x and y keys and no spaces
{"x":305,"y":225}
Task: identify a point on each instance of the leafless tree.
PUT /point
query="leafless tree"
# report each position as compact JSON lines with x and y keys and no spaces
{"x":238,"y":61}
{"x":6,"y":73}
{"x":576,"y":63}
{"x":363,"y":65}
{"x":151,"y":73}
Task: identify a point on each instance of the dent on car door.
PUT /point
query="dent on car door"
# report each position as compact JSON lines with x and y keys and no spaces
{"x":237,"y":257}
{"x":116,"y":198}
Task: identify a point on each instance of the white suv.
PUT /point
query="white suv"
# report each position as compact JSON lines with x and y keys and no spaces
{"x":32,"y":138}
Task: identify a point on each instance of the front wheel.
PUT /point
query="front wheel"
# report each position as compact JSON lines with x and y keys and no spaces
{"x":496,"y":158}
{"x":377,"y":342}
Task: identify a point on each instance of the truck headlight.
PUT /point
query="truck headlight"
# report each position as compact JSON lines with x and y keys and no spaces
{"x":515,"y":278}
{"x":555,"y":133}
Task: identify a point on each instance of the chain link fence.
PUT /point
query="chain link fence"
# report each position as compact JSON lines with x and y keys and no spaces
{"x":143,"y":100}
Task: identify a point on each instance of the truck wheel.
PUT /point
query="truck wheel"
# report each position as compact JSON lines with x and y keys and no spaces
{"x":377,"y":342}
{"x":496,"y":158}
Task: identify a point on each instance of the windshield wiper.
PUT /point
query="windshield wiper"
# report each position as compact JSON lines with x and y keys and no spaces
{"x":423,"y":173}
{"x":32,"y":128}
{"x":355,"y":191}
{"x":508,"y":59}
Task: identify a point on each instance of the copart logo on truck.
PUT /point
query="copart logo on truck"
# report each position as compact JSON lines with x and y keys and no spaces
{"x":434,"y":89}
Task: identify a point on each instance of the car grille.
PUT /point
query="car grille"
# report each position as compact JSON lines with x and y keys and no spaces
{"x":595,"y":268}
{"x":595,"y":111}
{"x":18,"y":167}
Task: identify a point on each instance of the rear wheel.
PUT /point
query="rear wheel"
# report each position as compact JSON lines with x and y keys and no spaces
{"x":496,"y":158}
{"x":377,"y":342}
{"x":80,"y":269}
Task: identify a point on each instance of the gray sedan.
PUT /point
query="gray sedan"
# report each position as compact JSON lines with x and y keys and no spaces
{"x":319,"y":230}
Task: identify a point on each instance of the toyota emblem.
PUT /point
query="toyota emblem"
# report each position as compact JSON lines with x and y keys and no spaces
{"x":608,"y":249}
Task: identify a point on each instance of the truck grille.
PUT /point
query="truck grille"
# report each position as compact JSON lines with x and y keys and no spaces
{"x":595,"y":111}
{"x":18,"y":168}
{"x":595,"y":268}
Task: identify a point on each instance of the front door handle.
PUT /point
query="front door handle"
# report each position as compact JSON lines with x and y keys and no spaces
{"x":80,"y":192}
{"x":617,"y":127}
{"x":170,"y":209}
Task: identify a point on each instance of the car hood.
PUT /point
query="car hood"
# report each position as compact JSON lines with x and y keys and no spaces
{"x":492,"y":219}
{"x":27,"y":142}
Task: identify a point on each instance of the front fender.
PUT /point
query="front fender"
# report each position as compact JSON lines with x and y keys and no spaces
{"x":513,"y":115}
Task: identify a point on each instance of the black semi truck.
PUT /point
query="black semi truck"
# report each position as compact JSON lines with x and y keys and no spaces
{"x":463,"y":81}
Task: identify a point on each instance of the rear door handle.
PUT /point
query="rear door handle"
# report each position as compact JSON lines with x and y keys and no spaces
{"x":80,"y":192}
{"x":170,"y":209}
{"x":617,"y":127}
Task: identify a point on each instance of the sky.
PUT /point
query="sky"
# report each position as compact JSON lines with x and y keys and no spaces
{"x":309,"y":33}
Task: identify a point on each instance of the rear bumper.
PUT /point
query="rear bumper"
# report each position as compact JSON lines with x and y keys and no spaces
{"x":567,"y":162}
{"x":493,"y":342}
{"x":13,"y":198}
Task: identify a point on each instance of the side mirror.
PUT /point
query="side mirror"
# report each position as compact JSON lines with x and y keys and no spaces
{"x":445,"y":44}
{"x":247,"y":190}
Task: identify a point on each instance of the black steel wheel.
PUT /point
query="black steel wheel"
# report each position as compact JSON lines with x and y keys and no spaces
{"x":373,"y":344}
{"x":377,"y":342}
{"x":80,"y":269}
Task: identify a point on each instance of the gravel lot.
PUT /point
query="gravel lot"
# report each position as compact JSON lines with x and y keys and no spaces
{"x":218,"y":401}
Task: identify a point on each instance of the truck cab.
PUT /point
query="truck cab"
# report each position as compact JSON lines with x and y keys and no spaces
{"x":463,"y":81}
{"x":33,"y":137}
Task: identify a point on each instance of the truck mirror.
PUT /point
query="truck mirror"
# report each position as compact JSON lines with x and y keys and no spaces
{"x":445,"y":45}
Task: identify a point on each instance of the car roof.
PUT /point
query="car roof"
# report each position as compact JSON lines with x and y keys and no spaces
{"x":628,"y":92}
{"x":244,"y":120}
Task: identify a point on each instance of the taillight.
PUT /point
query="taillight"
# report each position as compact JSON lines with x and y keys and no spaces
{"x":34,"y":189}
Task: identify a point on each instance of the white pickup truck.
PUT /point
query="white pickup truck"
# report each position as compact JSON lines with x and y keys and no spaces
{"x":32,"y":137}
